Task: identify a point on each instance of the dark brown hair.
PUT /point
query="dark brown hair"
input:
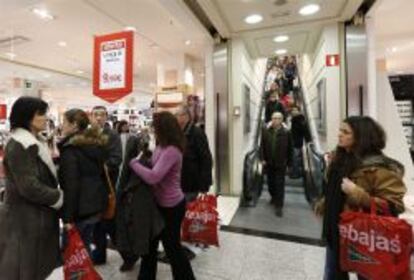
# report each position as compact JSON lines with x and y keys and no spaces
{"x":369,"y":140}
{"x":78,"y":117}
{"x":168,"y":131}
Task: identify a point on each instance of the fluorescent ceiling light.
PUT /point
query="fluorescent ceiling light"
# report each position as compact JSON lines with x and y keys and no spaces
{"x":394,"y":49}
{"x":80,"y":72}
{"x":281,"y":39}
{"x":62,"y":44}
{"x":11,"y":55}
{"x":309,"y":9}
{"x":43,"y":14}
{"x":187,"y":42}
{"x":253,"y":19}
{"x":281,"y":51}
{"x":130,"y":28}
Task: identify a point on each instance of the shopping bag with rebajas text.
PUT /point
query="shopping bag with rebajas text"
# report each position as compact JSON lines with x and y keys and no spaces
{"x":200,"y":224}
{"x":77,"y":263}
{"x":375,"y":247}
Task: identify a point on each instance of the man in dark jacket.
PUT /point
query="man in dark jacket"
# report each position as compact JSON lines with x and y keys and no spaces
{"x":276,"y":154}
{"x":300,"y":135}
{"x":196,"y":174}
{"x":113,"y":161}
{"x":274,"y":105}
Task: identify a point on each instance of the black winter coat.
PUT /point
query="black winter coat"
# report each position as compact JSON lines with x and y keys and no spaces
{"x":196,"y":173}
{"x":283,"y":153}
{"x":272,"y":107}
{"x":114,"y":153}
{"x":138,"y":220}
{"x":300,"y":131}
{"x":81,"y":175}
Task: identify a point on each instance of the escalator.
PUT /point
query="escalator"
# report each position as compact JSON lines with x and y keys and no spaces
{"x":313,"y":161}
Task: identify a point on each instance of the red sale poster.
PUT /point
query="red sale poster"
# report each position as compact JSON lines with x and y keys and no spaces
{"x":113,"y":65}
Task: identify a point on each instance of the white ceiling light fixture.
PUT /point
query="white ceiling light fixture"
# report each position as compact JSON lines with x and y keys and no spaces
{"x":188,"y":42}
{"x":80,"y":71}
{"x":309,"y":9}
{"x":281,"y":39}
{"x":43,"y":14}
{"x":281,"y":51}
{"x":130,"y":28}
{"x":62,"y":44}
{"x":253,"y":19}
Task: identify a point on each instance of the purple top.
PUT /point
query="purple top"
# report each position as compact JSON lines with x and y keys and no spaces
{"x":165,"y":175}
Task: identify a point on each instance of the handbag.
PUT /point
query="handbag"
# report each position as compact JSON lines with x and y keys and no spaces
{"x":109,"y":213}
{"x":77,"y":263}
{"x":375,"y":247}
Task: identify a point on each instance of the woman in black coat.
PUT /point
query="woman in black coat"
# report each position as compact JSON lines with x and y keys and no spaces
{"x":81,"y":174}
{"x":29,"y":224}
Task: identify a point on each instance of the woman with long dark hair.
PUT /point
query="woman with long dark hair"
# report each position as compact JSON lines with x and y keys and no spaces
{"x":29,"y":222}
{"x":165,"y":178}
{"x":358,"y":172}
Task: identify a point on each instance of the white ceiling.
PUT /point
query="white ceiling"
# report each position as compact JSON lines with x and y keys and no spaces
{"x":394,"y":25}
{"x":162,"y":26}
{"x":280,"y":17}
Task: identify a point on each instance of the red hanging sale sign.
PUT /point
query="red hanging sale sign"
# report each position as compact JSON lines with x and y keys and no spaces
{"x":112,"y":68}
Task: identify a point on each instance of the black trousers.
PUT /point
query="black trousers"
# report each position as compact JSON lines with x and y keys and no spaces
{"x":101,"y":230}
{"x":276,"y":184}
{"x":170,"y":238}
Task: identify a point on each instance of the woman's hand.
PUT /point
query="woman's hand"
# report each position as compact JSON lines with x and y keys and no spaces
{"x":68,"y":226}
{"x":348,"y":186}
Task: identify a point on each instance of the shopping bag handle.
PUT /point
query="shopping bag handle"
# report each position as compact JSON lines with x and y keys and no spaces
{"x":384,"y":206}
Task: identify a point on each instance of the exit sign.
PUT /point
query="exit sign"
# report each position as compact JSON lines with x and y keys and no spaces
{"x":332,"y":60}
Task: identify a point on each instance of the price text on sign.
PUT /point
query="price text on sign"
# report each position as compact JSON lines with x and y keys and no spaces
{"x":113,"y":71}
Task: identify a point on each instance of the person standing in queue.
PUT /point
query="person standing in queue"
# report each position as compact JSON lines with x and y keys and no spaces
{"x":276,"y":154}
{"x":357,"y":173}
{"x":196,"y":174}
{"x":165,"y":179}
{"x":29,"y":222}
{"x":114,"y":159}
{"x":82,"y":154}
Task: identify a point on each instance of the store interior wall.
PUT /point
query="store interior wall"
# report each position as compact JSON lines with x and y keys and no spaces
{"x":322,"y":85}
{"x":245,"y":72}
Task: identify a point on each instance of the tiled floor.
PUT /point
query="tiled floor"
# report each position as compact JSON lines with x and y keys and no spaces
{"x":240,"y":257}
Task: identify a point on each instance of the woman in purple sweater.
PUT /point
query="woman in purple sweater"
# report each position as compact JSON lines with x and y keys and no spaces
{"x":165,"y":177}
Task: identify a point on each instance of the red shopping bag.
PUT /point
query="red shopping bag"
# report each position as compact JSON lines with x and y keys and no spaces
{"x":200,"y":224}
{"x":78,"y":265}
{"x":376,"y":247}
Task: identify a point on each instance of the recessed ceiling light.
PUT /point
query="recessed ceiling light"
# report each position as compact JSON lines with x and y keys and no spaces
{"x":80,"y":71}
{"x":130,"y":28}
{"x":394,"y":49}
{"x":11,"y":55}
{"x":62,"y":44}
{"x":43,"y":14}
{"x":309,"y":9}
{"x":281,"y":51}
{"x":281,"y":38}
{"x":253,"y":19}
{"x":187,"y":42}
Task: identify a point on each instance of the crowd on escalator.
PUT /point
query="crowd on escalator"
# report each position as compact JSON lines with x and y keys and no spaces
{"x":286,"y":129}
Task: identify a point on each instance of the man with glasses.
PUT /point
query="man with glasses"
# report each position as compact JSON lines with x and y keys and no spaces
{"x":276,"y":154}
